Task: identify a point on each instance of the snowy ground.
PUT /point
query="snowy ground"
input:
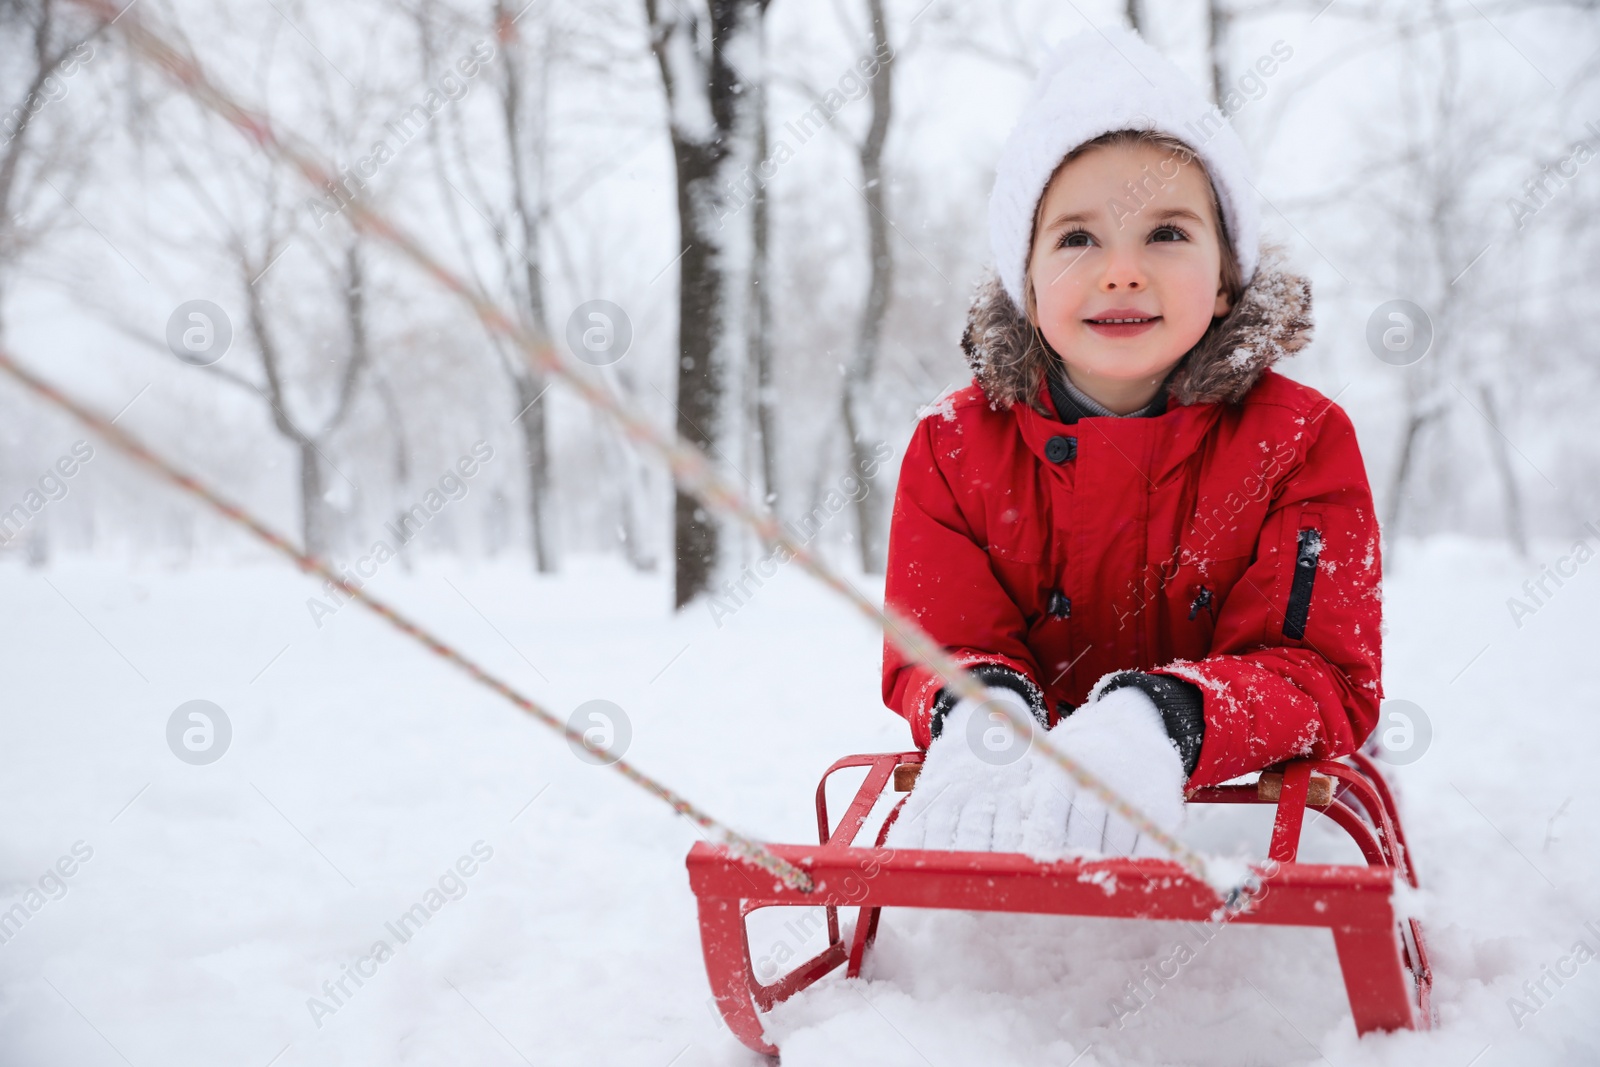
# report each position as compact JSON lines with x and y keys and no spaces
{"x":216,"y":900}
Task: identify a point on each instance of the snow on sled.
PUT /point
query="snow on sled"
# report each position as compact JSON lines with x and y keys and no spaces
{"x":1383,"y":957}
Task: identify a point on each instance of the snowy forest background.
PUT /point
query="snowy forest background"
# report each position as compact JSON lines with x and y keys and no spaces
{"x":1441,"y":153}
{"x":1431,"y":152}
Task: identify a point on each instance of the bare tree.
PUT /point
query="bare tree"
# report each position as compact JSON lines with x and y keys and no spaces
{"x":503,"y":208}
{"x":521,"y":74}
{"x":310,"y":330}
{"x":42,"y":45}
{"x":1005,"y":33}
{"x":1422,"y":189}
{"x":1435,"y":210}
{"x":860,"y":423}
{"x":765,"y":400}
{"x":855,"y":397}
{"x":525,"y":147}
{"x":308,"y":436}
{"x":712,"y":106}
{"x":400,"y":455}
{"x":1218,"y":22}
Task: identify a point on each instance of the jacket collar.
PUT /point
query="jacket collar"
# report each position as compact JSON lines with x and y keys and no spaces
{"x":1151,"y":446}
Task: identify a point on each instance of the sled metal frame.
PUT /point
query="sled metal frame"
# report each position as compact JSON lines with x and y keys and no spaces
{"x":1384,"y":959}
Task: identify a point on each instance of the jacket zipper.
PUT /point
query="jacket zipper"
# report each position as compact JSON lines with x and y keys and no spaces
{"x":1305,"y":574}
{"x":1203,"y":600}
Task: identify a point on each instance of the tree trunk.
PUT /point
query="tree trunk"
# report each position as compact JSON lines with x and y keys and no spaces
{"x":766,"y":400}
{"x":536,"y":457}
{"x":400,"y":457}
{"x":711,"y":112}
{"x":1515,"y":530}
{"x":1405,"y":464}
{"x":855,"y":396}
{"x":632,"y":479}
{"x":46,"y":58}
{"x":313,"y":534}
{"x":315,"y":527}
{"x":530,"y":386}
{"x":1217,"y":20}
{"x":266,"y":346}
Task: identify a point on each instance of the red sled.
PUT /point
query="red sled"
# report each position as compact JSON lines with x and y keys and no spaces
{"x":1383,"y":957}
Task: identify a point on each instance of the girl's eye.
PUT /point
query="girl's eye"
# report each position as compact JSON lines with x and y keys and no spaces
{"x":1070,"y":239}
{"x":1176,"y":234}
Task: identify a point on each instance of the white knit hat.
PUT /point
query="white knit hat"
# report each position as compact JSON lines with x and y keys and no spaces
{"x":1091,"y":84}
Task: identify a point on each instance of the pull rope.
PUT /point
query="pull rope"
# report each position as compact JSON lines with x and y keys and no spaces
{"x":743,"y":847}
{"x":689,"y":466}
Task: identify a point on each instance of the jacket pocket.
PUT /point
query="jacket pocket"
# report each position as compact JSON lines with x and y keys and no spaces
{"x":1029,"y":585}
{"x":1021,"y":554}
{"x":1194,"y":606}
{"x":1308,"y":552}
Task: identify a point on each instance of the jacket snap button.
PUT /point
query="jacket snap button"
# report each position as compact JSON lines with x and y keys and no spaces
{"x":1060,"y":449}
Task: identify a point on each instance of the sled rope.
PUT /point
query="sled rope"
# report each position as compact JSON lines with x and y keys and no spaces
{"x":741,"y":846}
{"x":689,"y":466}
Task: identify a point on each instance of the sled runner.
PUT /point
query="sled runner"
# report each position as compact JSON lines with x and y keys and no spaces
{"x":1384,"y":959}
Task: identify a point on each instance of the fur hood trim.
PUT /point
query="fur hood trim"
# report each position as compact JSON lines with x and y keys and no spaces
{"x":1270,"y":321}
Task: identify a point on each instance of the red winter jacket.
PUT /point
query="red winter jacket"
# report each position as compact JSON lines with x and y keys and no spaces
{"x":1229,"y":542}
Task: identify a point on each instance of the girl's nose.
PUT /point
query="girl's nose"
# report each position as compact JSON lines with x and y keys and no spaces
{"x":1123,"y":271}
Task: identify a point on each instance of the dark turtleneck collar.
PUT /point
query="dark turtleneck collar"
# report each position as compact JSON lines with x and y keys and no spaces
{"x":1072,"y":404}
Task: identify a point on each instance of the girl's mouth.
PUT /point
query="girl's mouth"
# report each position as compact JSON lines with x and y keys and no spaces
{"x":1122,"y":325}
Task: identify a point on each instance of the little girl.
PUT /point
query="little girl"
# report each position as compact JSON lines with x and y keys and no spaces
{"x":1128,"y":526}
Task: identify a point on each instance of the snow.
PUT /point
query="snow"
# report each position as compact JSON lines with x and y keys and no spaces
{"x":690,"y":100}
{"x":943,"y":405}
{"x":217,"y":899}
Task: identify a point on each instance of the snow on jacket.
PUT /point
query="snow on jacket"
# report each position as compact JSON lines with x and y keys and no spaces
{"x":1229,"y":542}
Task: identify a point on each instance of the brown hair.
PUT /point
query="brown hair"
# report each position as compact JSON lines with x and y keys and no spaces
{"x":1039,"y":355}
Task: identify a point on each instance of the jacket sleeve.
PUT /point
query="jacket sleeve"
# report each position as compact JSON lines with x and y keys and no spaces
{"x":938,"y":573}
{"x":1295,"y":664}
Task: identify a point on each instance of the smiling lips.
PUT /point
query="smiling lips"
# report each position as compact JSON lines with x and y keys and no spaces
{"x":1122,"y":322}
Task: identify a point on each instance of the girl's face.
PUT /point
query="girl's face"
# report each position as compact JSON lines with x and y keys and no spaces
{"x":1126,"y":232}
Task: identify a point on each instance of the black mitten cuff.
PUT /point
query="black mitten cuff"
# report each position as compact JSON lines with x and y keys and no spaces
{"x":994,"y":675}
{"x":1182,"y":707}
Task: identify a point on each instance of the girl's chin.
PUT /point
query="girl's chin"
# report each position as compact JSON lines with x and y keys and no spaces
{"x":1122,"y":370}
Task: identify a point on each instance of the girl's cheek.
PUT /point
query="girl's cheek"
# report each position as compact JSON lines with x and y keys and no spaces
{"x":1056,"y":284}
